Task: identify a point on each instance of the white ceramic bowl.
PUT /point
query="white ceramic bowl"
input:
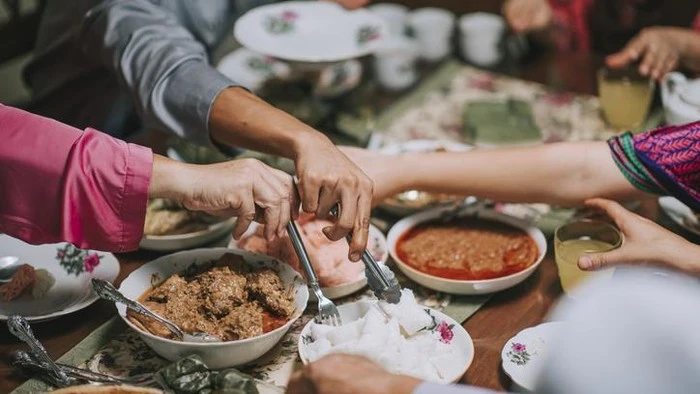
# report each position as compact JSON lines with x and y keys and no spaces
{"x":218,"y":354}
{"x":461,"y":340}
{"x":465,"y":286}
{"x":171,"y":243}
{"x":376,"y":244}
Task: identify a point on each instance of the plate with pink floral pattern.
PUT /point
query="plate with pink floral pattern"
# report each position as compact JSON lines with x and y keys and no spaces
{"x":62,"y":278}
{"x":523,"y":355}
{"x":310,"y":31}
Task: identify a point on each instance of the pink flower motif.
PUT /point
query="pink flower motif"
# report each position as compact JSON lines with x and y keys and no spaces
{"x":289,"y":15}
{"x":559,"y":99}
{"x":482,"y":82}
{"x":445,"y":331}
{"x":91,"y":262}
{"x":518,"y":348}
{"x":60,"y":254}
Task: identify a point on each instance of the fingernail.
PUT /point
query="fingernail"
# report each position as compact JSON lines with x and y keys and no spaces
{"x":585,"y":262}
{"x":354,"y":256}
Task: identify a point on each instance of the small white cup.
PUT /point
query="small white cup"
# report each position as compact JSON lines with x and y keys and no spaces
{"x":395,"y":63}
{"x":393,"y":14}
{"x":480,"y":37}
{"x":432,"y":28}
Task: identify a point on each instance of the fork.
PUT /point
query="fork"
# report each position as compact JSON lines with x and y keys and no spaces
{"x":327,"y":311}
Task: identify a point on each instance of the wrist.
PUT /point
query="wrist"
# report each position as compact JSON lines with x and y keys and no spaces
{"x":169,"y":179}
{"x":308,"y":141}
{"x":682,"y":254}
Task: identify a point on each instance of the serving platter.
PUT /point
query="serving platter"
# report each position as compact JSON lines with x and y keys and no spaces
{"x":72,"y":269}
{"x":252,"y":69}
{"x":377,"y":246}
{"x":310,"y":31}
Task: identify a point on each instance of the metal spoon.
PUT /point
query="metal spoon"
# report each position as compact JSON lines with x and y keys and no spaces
{"x":108,"y":292}
{"x":20,"y":328}
{"x":8,"y":267}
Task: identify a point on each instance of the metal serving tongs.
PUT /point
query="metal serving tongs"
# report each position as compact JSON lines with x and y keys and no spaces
{"x":380,"y":278}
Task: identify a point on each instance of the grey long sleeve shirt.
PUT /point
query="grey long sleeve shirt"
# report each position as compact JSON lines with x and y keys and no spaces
{"x":100,"y":63}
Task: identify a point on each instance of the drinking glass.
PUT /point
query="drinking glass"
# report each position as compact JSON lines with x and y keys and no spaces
{"x":576,"y":238}
{"x":625,"y":97}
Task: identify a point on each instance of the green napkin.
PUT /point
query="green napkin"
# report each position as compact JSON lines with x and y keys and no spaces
{"x":505,"y":122}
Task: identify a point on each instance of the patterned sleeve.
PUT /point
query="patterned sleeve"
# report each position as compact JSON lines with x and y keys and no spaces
{"x":662,"y":161}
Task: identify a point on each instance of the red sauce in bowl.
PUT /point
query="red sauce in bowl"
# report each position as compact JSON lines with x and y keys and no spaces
{"x":467,"y":249}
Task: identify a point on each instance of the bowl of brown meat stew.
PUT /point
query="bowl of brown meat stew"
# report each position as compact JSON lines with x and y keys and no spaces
{"x":471,"y":254}
{"x":248,"y":300}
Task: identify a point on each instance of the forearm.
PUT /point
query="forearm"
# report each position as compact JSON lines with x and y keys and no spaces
{"x":61,"y":184}
{"x":688,"y":43}
{"x":239,"y":118}
{"x":682,"y":255}
{"x":560,"y":174}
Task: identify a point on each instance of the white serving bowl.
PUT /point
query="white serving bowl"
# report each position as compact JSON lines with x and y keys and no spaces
{"x":171,"y":243}
{"x":461,"y":340}
{"x":466,"y":287}
{"x":376,"y":244}
{"x":216,"y":355}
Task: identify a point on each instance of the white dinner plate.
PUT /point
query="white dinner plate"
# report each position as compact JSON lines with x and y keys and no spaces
{"x":251,"y":69}
{"x":523,"y":355}
{"x":310,"y":31}
{"x":72,"y":290}
{"x":377,"y":246}
{"x":680,"y":213}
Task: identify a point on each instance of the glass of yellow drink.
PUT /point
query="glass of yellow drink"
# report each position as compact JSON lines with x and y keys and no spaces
{"x":576,"y":238}
{"x":625,"y":97}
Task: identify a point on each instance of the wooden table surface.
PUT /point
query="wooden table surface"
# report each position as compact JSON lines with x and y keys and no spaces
{"x":505,"y":314}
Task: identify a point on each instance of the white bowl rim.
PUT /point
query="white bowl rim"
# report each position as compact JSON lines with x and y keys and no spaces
{"x":267,"y":259}
{"x":470,"y":359}
{"x":178,"y":237}
{"x":497,"y":216}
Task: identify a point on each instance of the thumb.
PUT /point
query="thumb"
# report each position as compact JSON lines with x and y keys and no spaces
{"x":599,"y":261}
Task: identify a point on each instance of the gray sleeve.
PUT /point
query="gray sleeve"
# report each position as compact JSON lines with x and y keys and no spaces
{"x":165,"y":68}
{"x":434,"y":388}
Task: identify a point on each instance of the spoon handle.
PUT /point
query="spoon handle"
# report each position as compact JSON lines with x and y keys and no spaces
{"x":20,"y":328}
{"x":107,"y":291}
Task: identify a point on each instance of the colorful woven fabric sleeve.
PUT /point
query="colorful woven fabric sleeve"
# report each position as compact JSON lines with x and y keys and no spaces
{"x":624,"y":155}
{"x":672,"y":156}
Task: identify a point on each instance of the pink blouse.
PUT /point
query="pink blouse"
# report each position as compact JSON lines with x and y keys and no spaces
{"x":60,"y":184}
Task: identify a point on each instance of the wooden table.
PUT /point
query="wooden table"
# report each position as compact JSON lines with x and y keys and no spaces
{"x":505,"y":314}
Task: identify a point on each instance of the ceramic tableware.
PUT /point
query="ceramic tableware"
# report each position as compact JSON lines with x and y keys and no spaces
{"x":395,"y":63}
{"x":393,"y":14}
{"x":681,"y":98}
{"x":480,"y":38}
{"x":523,"y":356}
{"x":432,"y":27}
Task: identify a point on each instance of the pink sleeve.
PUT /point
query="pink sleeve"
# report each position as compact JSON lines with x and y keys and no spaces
{"x":60,"y":184}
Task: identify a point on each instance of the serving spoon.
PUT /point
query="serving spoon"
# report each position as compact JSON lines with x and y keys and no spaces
{"x":107,"y":291}
{"x":8,"y":267}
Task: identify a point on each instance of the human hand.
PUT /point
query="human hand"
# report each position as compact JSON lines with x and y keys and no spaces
{"x":352,"y":4}
{"x":382,"y":169}
{"x":644,"y":242}
{"x":527,"y":15}
{"x":655,"y":48}
{"x":247,"y":189}
{"x":345,"y":374}
{"x":327,"y":177}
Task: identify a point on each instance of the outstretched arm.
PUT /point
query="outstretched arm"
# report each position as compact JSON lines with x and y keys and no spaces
{"x":559,"y":174}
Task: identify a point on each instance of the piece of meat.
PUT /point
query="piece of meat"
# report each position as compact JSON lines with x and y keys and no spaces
{"x":22,"y":281}
{"x":221,"y":291}
{"x":328,"y":258}
{"x":173,"y":285}
{"x":245,"y":321}
{"x":266,"y":287}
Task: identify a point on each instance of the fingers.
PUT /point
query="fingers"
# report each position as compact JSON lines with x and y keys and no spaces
{"x":273,"y":194}
{"x":615,"y":211}
{"x":300,"y":384}
{"x":598,"y":261}
{"x":246,"y":214}
{"x":310,"y":188}
{"x":360,"y":233}
{"x":346,"y":219}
